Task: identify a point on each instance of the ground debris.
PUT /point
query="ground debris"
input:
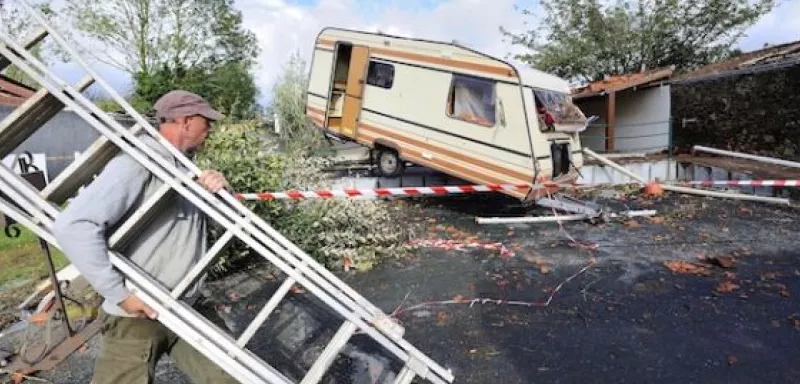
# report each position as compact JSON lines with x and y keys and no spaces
{"x":726,"y":287}
{"x":683,"y":267}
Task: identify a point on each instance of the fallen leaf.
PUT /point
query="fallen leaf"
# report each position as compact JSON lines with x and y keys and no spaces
{"x":730,"y":275}
{"x":726,"y":287}
{"x":657,"y":220}
{"x":732,"y":360}
{"x":632,"y":223}
{"x":784,"y":293}
{"x":796,"y":323}
{"x":544,"y":269}
{"x":745,"y":210}
{"x":682,"y":267}
{"x":776,"y":324}
{"x":510,"y":233}
{"x":441,"y":318}
{"x":297,"y":290}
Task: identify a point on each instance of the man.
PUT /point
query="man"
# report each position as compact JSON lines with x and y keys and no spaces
{"x":133,"y":340}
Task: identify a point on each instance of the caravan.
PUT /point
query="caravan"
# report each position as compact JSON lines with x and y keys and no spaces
{"x":445,"y":107}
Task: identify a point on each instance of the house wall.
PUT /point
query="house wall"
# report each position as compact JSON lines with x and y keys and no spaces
{"x":58,"y":139}
{"x":642,"y":125}
{"x":643,"y":120}
{"x":751,"y":111}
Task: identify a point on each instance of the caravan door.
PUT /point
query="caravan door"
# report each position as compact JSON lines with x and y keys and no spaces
{"x":354,"y":90}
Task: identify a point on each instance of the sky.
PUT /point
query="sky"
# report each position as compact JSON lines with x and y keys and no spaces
{"x":284,"y":27}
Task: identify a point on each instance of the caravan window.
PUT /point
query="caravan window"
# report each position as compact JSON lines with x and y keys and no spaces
{"x":472,"y":100}
{"x":380,"y":74}
{"x":556,"y":108}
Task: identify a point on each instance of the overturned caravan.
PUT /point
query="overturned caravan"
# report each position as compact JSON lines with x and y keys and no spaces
{"x":445,"y":107}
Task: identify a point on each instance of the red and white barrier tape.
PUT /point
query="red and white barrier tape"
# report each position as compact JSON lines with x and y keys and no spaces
{"x":383,"y":192}
{"x":464,"y":189}
{"x":754,"y":183}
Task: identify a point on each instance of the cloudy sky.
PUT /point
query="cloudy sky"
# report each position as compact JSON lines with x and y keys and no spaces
{"x":285,"y":26}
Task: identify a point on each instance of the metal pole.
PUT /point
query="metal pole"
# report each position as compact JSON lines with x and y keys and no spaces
{"x":763,"y":159}
{"x":692,"y":191}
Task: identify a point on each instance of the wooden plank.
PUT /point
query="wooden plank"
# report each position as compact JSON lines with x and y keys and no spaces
{"x":611,"y":120}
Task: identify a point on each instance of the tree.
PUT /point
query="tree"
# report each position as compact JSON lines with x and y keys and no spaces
{"x":586,"y":39}
{"x":289,"y":105}
{"x":198,"y":45}
{"x":15,"y":23}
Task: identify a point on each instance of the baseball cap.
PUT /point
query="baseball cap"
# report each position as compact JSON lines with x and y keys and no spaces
{"x":181,"y":103}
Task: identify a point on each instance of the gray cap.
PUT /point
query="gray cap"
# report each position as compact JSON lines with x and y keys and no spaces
{"x":180,"y":103}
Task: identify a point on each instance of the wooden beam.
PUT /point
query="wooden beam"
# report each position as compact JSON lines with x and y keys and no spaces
{"x":611,"y":120}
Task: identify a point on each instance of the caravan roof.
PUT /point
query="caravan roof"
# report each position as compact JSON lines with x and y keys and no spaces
{"x":443,"y":55}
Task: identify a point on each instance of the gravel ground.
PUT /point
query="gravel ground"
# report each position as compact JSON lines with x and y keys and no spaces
{"x":728,"y":313}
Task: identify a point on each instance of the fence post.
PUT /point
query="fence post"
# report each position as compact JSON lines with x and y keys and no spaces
{"x":670,"y":151}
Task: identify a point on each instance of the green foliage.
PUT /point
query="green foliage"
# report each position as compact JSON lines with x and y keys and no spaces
{"x":589,"y":39}
{"x":13,"y":21}
{"x":237,"y":153}
{"x":196,"y":45}
{"x":296,"y":128}
{"x":341,"y":234}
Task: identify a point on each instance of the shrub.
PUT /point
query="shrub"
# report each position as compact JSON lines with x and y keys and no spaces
{"x":341,"y":234}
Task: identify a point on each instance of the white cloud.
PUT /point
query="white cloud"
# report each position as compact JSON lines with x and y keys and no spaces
{"x":283,"y":29}
{"x":779,"y":26}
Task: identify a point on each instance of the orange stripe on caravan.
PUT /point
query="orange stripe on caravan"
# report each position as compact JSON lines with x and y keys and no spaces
{"x":493,"y":69}
{"x":456,"y":170}
{"x":315,"y":109}
{"x":501,"y":170}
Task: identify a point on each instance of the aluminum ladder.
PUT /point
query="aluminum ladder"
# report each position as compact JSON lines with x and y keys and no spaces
{"x":37,"y":211}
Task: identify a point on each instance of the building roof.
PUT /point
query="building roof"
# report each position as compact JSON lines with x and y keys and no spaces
{"x":774,"y":55}
{"x":13,"y":93}
{"x":623,"y":82}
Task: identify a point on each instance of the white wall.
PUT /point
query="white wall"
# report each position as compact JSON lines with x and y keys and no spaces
{"x":643,"y":112}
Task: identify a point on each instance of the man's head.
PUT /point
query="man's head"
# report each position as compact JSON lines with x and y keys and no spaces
{"x":185,"y":119}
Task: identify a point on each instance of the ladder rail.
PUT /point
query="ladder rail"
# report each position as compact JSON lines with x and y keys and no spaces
{"x":236,"y":204}
{"x":382,"y":339}
{"x":388,"y":339}
{"x":171,"y":320}
{"x":189,"y":185}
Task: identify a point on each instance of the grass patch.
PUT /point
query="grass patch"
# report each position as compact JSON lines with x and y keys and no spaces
{"x":22,"y":258}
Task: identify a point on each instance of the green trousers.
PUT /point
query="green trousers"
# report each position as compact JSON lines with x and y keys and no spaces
{"x":131,"y":347}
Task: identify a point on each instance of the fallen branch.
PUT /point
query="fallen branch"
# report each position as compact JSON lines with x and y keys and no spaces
{"x":474,"y":301}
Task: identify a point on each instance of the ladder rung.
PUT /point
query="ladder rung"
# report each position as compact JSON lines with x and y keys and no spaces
{"x":405,"y":376}
{"x":36,"y":37}
{"x":273,"y":302}
{"x":81,"y":171}
{"x":328,"y":355}
{"x":201,"y":266}
{"x":30,"y":116}
{"x":139,"y":218}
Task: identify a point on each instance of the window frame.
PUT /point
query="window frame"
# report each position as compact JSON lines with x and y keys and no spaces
{"x":376,"y":63}
{"x":451,"y":89}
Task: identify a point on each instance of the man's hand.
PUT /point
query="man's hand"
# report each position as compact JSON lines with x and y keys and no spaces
{"x":135,"y":306}
{"x":213,"y":181}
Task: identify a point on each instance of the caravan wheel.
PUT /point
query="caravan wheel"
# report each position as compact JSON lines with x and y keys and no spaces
{"x":388,"y":163}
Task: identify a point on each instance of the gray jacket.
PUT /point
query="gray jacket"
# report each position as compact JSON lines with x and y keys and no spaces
{"x":167,"y":248}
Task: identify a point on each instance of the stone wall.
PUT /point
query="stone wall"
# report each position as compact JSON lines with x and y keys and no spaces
{"x":750,"y":111}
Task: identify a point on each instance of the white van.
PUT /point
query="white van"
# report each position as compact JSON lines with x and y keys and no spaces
{"x":445,"y":107}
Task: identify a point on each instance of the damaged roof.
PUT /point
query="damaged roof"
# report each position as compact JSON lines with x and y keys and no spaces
{"x":783,"y":54}
{"x":623,"y":82}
